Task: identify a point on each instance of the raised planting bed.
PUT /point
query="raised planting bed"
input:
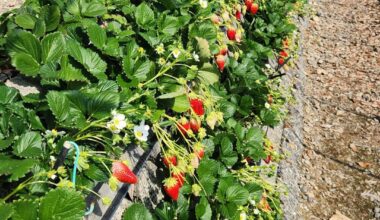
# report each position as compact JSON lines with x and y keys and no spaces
{"x":110,"y":77}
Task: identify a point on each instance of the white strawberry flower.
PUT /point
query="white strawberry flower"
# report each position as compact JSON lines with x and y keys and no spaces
{"x":196,"y":57}
{"x":243,"y":216}
{"x":203,"y":3}
{"x":117,"y":123}
{"x":160,"y":49}
{"x":54,"y":133}
{"x":111,"y":126}
{"x":176,"y":52}
{"x":141,"y":131}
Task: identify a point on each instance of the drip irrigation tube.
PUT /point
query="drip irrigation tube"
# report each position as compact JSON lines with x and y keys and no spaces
{"x":125,"y":187}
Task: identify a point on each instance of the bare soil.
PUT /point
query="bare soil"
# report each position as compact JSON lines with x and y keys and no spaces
{"x":340,"y":166}
{"x":6,"y":5}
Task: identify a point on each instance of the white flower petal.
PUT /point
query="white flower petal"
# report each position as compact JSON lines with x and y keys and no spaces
{"x":121,"y":125}
{"x":120,"y":117}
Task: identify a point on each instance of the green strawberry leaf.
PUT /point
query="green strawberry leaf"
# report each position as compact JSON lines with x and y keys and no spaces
{"x":97,"y":35}
{"x":25,"y":210}
{"x":237,"y":194}
{"x":203,"y":210}
{"x":228,"y":155}
{"x":181,"y":104}
{"x":169,"y":25}
{"x":145,"y":16}
{"x":63,"y":204}
{"x":29,"y":144}
{"x":15,"y":168}
{"x":52,"y":16}
{"x":101,"y":104}
{"x":137,"y":212}
{"x":4,"y":144}
{"x":69,"y":73}
{"x":88,"y":58}
{"x":25,"y":21}
{"x":8,"y":95}
{"x":26,"y":64}
{"x":20,"y":41}
{"x":64,"y":110}
{"x":141,"y":73}
{"x":96,"y":173}
{"x":40,"y":28}
{"x":93,"y":9}
{"x":6,"y":211}
{"x":53,"y":46}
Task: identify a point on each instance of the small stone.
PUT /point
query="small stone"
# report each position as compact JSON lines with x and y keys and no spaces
{"x":377,"y":210}
{"x":353,"y":147}
{"x":340,"y":113}
{"x":339,"y":216}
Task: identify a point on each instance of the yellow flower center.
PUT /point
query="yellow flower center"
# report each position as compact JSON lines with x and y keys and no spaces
{"x":54,"y":132}
{"x":138,"y":134}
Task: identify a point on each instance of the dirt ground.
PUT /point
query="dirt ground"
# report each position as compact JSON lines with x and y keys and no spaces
{"x":6,"y":5}
{"x":340,"y":166}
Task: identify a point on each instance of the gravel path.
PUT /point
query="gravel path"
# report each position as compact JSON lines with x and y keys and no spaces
{"x":340,"y":164}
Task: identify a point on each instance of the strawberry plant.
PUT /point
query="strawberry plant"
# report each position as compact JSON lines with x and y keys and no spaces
{"x":113,"y":73}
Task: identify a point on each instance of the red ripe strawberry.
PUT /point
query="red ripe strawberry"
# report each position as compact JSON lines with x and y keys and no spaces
{"x":184,"y":127}
{"x":170,"y":160}
{"x":171,"y":187}
{"x":238,"y":15}
{"x":223,"y":50}
{"x":231,"y":33}
{"x":200,"y":153}
{"x":284,"y":54}
{"x":123,"y":173}
{"x":197,"y":106}
{"x":199,"y":150}
{"x":248,"y":3}
{"x":281,"y":61}
{"x":254,"y":8}
{"x":195,"y":124}
{"x":268,"y":159}
{"x":180,"y":177}
{"x":220,"y":62}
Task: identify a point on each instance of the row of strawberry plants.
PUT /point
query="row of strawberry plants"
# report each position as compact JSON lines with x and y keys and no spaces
{"x":111,"y":72}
